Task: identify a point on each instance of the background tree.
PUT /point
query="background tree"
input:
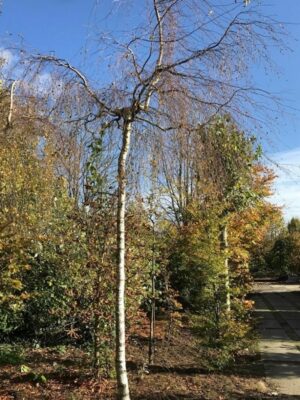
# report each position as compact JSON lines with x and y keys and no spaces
{"x":231,"y":156}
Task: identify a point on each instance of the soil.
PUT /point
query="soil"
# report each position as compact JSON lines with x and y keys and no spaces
{"x":177,"y":373}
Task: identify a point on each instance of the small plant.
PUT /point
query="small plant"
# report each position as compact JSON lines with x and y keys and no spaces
{"x":34,"y":376}
{"x":224,"y":338}
{"x":11,"y":355}
{"x":61,"y":349}
{"x":25,"y":369}
{"x":39,"y":378}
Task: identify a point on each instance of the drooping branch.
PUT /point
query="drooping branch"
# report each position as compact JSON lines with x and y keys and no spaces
{"x":82,"y":78}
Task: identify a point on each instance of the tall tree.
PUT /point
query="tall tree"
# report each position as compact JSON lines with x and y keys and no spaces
{"x":232,"y":157}
{"x":209,"y":50}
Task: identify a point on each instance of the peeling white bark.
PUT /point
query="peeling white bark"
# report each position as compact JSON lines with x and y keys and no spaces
{"x":11,"y":106}
{"x":122,"y":378}
{"x":226,"y":267}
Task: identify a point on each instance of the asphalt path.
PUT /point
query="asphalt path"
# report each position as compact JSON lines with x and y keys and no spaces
{"x":278,"y":311}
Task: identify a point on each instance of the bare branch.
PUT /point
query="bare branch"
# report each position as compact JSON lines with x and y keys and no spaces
{"x":65,"y":64}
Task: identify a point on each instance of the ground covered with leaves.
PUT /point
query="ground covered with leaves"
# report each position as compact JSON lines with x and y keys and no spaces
{"x":180,"y":371}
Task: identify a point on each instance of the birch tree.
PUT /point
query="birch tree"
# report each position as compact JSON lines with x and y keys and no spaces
{"x":197,"y":50}
{"x":231,"y":157}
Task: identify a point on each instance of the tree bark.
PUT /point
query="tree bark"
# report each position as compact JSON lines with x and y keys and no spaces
{"x":11,"y":106}
{"x":121,"y":371}
{"x":153,"y":302}
{"x":152,"y":324}
{"x":224,"y":239}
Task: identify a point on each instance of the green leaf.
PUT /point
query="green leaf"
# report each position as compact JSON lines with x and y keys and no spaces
{"x":25,"y":369}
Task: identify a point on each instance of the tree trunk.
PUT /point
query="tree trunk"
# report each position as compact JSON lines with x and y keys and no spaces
{"x":224,"y":240}
{"x":153,"y":302}
{"x":122,"y":378}
{"x":152,"y":324}
{"x":96,"y":360}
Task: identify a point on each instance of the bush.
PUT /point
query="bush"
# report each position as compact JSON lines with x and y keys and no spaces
{"x":222,"y":339}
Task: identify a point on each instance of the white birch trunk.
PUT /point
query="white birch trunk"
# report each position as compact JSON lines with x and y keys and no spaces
{"x":122,"y":378}
{"x":11,"y":107}
{"x":226,"y":267}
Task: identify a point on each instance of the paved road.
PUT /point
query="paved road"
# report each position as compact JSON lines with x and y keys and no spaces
{"x":278,"y":310}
